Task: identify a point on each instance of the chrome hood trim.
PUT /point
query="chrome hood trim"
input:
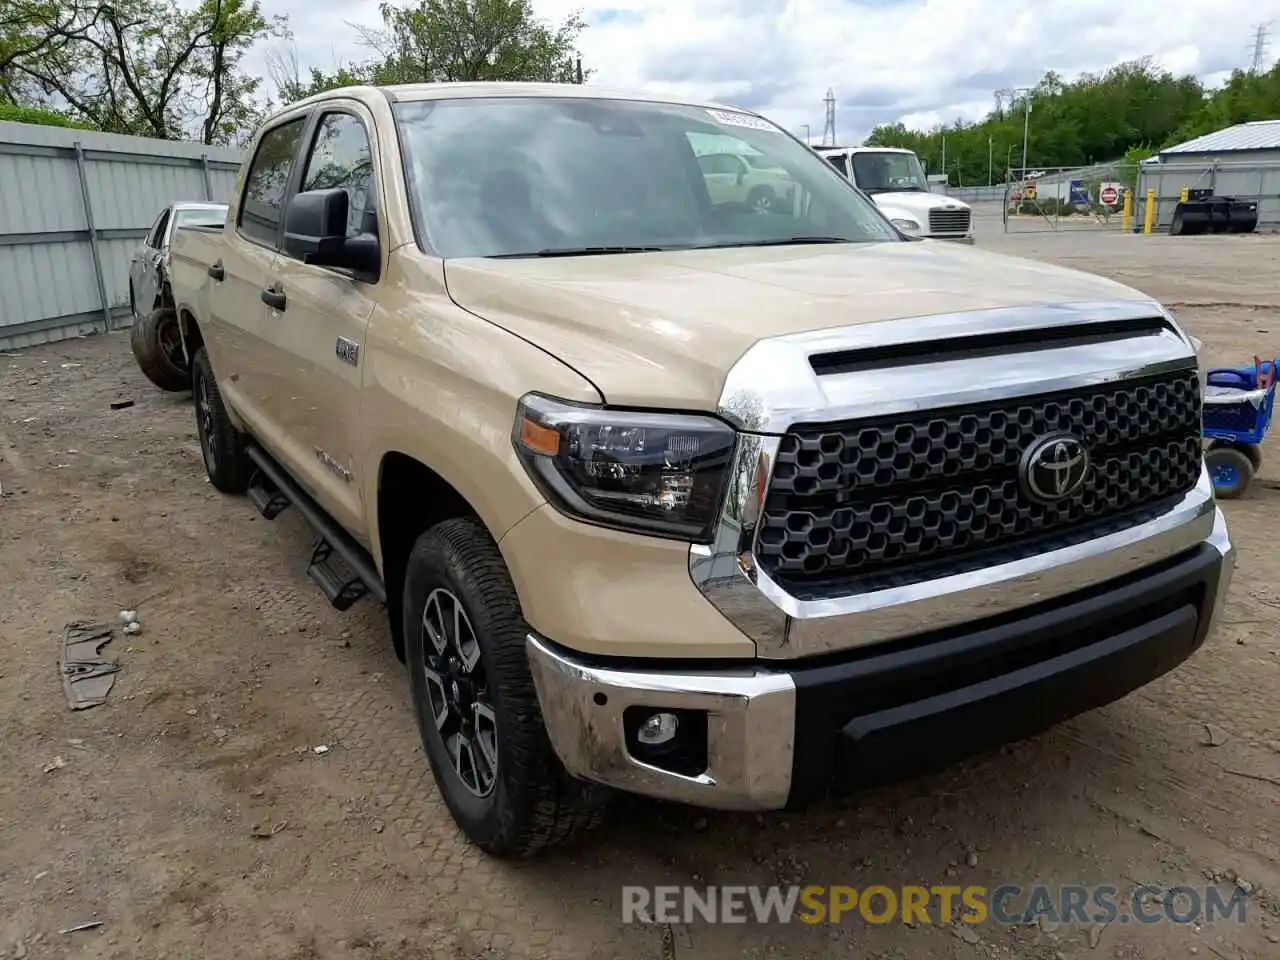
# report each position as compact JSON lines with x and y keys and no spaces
{"x":774,"y":385}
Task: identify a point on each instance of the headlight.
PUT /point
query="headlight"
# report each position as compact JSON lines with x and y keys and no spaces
{"x":907,"y":226}
{"x":657,"y":473}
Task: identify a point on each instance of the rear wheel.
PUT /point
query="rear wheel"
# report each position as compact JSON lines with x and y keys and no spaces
{"x":156,"y":342}
{"x":475,"y":701}
{"x":221,"y":444}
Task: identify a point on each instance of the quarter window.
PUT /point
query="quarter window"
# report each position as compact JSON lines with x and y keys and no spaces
{"x":341,"y":159}
{"x":267,"y":182}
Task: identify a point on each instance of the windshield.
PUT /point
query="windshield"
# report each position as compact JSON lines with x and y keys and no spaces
{"x":526,"y":176}
{"x":878,"y":172}
{"x":201,"y":218}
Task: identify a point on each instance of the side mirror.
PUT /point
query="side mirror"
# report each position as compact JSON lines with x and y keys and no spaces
{"x":742,"y":175}
{"x":315,"y":231}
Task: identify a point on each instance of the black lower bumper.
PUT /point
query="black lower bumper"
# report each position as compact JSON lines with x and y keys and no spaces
{"x":916,"y":707}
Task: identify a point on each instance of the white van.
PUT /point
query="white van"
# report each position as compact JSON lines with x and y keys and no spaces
{"x":896,"y":181}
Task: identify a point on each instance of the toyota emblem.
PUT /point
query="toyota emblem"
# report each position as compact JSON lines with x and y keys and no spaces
{"x":1054,"y":467}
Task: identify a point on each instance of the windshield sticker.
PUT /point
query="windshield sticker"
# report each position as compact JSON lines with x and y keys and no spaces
{"x":733,"y":119}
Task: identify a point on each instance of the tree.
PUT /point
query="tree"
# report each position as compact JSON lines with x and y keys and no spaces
{"x":35,"y":28}
{"x":286,"y":76}
{"x":443,"y":40}
{"x":1095,"y":119}
{"x":153,"y":67}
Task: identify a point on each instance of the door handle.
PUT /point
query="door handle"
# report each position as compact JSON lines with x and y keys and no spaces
{"x":217,"y":272}
{"x":273,"y":297}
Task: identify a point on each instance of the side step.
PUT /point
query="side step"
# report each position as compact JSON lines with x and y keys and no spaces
{"x":334,"y":576}
{"x":266,"y":496}
{"x":340,"y":566}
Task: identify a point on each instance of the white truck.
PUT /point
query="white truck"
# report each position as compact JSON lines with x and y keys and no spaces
{"x":896,"y":181}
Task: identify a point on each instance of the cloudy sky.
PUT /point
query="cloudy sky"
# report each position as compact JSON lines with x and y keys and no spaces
{"x":918,"y":61}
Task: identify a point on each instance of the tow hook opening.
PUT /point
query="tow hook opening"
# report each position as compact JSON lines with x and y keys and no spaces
{"x":670,"y":739}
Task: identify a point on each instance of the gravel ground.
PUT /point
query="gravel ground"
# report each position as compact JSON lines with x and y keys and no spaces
{"x":192,"y":816}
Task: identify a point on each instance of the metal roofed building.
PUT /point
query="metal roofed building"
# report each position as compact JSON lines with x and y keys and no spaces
{"x":1256,"y":140}
{"x":1242,"y":161}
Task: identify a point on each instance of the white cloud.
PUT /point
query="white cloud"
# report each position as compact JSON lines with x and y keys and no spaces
{"x":919,"y":61}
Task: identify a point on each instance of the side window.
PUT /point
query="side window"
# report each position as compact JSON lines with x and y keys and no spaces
{"x":342,"y":159}
{"x":838,"y":161}
{"x":156,"y":236}
{"x":267,"y":181}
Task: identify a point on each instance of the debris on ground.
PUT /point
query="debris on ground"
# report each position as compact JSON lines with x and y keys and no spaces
{"x":1214,"y":736}
{"x":320,"y":750}
{"x":121,"y":404}
{"x":265,"y":833}
{"x":57,"y":763}
{"x":90,"y":925}
{"x":87,"y":678}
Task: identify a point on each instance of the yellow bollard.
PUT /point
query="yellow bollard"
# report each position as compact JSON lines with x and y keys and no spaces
{"x":1185,"y":195}
{"x":1127,"y":211}
{"x":1149,"y":217}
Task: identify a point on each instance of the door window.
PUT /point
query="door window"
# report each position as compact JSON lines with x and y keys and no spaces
{"x":267,"y":182}
{"x":341,"y":159}
{"x":156,"y":236}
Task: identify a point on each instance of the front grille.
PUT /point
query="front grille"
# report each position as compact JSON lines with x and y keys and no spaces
{"x":871,"y":503}
{"x":949,"y":221}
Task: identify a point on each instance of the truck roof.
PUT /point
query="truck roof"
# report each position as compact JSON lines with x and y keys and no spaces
{"x":863,"y":149}
{"x":453,"y":90}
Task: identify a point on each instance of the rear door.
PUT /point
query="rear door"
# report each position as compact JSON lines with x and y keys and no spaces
{"x":247,"y":264}
{"x":316,"y":343}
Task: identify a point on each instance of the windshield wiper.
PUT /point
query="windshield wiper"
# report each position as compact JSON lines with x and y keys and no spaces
{"x":574,"y":252}
{"x":772,"y":242}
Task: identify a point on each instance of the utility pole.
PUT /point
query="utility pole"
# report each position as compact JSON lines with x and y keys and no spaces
{"x":990,"y":167}
{"x":1026,"y":131}
{"x":578,"y":71}
{"x":944,"y":153}
{"x":807,"y":136}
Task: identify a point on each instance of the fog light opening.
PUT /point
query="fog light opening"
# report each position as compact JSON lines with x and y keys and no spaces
{"x":674,"y":740}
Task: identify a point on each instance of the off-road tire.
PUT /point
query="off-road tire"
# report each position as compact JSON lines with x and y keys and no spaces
{"x":225,"y":459}
{"x":163,"y":367}
{"x":534,"y":803}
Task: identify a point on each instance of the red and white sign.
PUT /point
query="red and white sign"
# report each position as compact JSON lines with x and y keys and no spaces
{"x":1109,"y":194}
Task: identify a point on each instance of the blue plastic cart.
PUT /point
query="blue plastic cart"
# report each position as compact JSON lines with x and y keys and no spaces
{"x":1238,"y":404}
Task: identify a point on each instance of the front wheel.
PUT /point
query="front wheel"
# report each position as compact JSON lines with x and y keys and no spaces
{"x":475,"y":701}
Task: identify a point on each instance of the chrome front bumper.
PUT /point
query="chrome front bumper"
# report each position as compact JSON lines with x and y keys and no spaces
{"x":754,"y":735}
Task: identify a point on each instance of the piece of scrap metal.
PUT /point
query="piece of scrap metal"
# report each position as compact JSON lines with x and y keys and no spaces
{"x":87,"y":677}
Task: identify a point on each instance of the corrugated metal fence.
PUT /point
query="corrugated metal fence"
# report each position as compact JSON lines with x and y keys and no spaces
{"x":74,"y":205}
{"x":1246,"y":180}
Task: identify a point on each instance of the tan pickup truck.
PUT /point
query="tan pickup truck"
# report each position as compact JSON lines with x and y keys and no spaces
{"x":709,"y":501}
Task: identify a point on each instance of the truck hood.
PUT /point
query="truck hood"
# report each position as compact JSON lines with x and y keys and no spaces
{"x":663,"y":329}
{"x":916,"y":203}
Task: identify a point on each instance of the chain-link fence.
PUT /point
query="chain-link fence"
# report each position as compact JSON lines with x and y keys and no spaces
{"x":1119,"y":197}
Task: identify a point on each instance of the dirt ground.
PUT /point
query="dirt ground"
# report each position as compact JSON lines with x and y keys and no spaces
{"x":192,"y":816}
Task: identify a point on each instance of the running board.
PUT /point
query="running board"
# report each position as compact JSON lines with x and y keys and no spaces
{"x":340,"y":566}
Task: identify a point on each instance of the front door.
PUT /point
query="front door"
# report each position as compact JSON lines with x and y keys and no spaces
{"x":316,"y":340}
